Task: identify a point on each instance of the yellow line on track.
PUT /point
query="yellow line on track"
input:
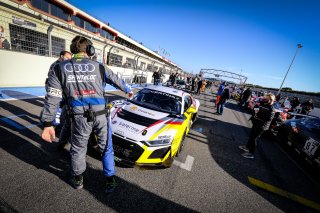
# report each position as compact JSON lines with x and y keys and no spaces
{"x":284,"y":193}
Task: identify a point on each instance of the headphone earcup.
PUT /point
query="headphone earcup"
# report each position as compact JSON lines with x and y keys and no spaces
{"x":90,"y":50}
{"x":73,"y":48}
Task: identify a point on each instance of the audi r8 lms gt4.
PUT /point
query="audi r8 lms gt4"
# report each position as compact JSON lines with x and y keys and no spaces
{"x":304,"y":136}
{"x":150,"y":128}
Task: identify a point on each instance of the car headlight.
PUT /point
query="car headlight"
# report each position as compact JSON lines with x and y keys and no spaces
{"x":159,"y":142}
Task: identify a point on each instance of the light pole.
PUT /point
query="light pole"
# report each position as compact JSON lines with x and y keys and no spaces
{"x":298,"y":47}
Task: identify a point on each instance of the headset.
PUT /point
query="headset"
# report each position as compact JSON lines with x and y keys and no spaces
{"x":90,"y":50}
{"x":75,"y":46}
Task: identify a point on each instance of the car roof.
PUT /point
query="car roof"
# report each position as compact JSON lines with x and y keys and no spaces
{"x":169,"y":90}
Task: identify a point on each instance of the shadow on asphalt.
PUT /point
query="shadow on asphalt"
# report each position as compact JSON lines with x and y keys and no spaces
{"x":235,"y":107}
{"x":128,"y":197}
{"x":35,"y":100}
{"x":270,"y":164}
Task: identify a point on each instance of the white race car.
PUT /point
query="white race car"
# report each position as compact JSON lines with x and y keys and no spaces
{"x":150,"y":128}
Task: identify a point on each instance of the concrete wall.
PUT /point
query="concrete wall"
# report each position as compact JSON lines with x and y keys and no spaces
{"x":23,"y":70}
{"x":27,"y":70}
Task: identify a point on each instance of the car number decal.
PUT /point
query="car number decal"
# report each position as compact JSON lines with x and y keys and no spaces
{"x":310,"y":147}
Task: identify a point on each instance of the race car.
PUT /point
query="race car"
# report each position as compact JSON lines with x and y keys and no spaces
{"x":150,"y":128}
{"x":304,"y":136}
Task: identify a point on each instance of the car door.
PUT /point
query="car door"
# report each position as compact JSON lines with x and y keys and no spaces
{"x":183,"y":127}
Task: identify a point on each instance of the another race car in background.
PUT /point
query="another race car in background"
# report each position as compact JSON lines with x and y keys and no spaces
{"x":181,"y":84}
{"x":150,"y":128}
{"x":304,"y":136}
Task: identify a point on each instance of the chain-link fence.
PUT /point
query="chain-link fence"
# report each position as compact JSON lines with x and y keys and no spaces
{"x":22,"y":35}
{"x":39,"y":34}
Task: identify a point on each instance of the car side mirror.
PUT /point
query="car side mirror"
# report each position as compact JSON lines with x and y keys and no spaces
{"x":192,"y":110}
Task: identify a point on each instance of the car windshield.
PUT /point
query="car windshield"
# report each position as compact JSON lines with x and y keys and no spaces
{"x":312,"y":123}
{"x":157,"y":100}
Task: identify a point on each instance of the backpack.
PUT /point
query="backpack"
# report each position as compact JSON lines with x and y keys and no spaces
{"x":6,"y":44}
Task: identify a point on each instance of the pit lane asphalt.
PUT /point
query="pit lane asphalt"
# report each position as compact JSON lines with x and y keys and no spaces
{"x":34,"y":175}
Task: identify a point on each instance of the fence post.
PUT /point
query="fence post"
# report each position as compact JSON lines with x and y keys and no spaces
{"x":50,"y":28}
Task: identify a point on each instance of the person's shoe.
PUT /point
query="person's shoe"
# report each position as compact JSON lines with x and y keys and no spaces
{"x":247,"y":155}
{"x":111,"y":184}
{"x":243,"y":148}
{"x":77,"y":181}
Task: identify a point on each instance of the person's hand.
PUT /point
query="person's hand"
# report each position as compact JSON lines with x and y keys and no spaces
{"x":130,"y":94}
{"x":48,"y":134}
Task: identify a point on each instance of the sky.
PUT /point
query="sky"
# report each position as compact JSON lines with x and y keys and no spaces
{"x":254,"y":38}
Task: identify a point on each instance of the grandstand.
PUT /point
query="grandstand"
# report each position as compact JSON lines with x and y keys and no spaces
{"x":35,"y":31}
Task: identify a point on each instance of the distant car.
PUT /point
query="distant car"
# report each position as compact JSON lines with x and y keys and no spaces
{"x":150,"y":128}
{"x":304,"y":136}
{"x":180,"y":84}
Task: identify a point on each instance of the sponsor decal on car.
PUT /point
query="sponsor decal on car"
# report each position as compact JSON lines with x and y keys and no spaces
{"x":119,"y":132}
{"x":134,"y":108}
{"x":128,"y":127}
{"x":165,"y":94}
{"x":164,"y":136}
{"x":146,"y":112}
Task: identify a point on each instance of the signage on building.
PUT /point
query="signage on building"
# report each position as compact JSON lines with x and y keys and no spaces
{"x":24,"y":23}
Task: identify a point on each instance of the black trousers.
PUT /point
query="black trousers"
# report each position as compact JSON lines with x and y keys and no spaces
{"x":256,"y":132}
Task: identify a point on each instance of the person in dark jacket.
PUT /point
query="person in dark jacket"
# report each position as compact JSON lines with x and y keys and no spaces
{"x":223,"y":99}
{"x":294,"y":103}
{"x":199,"y":83}
{"x":245,"y":97}
{"x":307,"y":107}
{"x":156,"y":78}
{"x":172,"y":79}
{"x":220,"y":91}
{"x":193,"y":82}
{"x":261,"y":121}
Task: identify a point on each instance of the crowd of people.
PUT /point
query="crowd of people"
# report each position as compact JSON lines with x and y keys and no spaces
{"x":292,"y":105}
{"x":263,"y":113}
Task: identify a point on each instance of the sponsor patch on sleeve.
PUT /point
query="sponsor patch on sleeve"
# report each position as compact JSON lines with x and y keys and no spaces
{"x":54,"y":92}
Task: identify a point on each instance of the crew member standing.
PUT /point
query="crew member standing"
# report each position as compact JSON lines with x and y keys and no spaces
{"x":156,"y":78}
{"x":220,"y":91}
{"x":223,"y":99}
{"x":81,"y":81}
{"x":260,"y":122}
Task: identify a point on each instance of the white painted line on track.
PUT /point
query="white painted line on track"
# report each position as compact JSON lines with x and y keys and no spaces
{"x":187,"y":165}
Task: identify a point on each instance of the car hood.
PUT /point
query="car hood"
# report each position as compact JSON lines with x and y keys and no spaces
{"x":139,"y":123}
